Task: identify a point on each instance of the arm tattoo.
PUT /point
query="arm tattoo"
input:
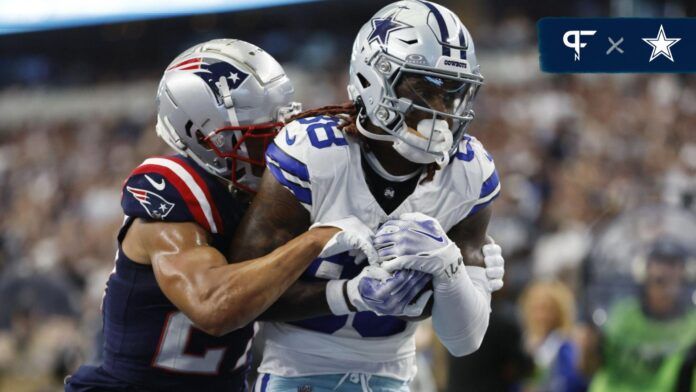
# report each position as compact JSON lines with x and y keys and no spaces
{"x":274,"y":218}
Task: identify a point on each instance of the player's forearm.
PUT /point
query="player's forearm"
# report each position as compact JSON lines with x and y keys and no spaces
{"x":273,"y":219}
{"x":462,"y":307}
{"x":301,"y":301}
{"x":470,"y":235}
{"x":471,"y":254}
{"x":247,"y":289}
{"x":461,"y":312}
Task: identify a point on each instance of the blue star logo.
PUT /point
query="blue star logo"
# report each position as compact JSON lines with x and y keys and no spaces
{"x":381,"y":27}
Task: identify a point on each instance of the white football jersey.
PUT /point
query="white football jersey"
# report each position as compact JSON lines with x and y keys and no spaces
{"x":321,"y":166}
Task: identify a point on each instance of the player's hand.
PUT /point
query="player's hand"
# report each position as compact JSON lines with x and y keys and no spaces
{"x":397,"y":294}
{"x":495,"y":264}
{"x":353,"y":235}
{"x":418,"y":242}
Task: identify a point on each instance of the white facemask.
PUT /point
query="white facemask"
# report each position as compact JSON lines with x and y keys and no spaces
{"x":415,"y":149}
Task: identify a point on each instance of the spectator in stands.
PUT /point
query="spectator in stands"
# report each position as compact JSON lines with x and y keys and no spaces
{"x":548,"y":312}
{"x":646,"y":337}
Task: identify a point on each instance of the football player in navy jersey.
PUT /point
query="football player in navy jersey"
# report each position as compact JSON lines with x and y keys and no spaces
{"x":177,"y":316}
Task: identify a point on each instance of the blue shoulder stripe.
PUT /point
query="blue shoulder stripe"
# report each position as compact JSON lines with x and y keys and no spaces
{"x":287,"y":162}
{"x":489,"y":185}
{"x":304,"y":195}
{"x":481,"y":206}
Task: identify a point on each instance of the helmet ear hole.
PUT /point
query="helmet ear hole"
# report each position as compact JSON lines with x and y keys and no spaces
{"x":363,"y":82}
{"x":201,"y":140}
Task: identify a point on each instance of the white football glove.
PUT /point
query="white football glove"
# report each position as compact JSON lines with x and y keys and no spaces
{"x":495,"y":264}
{"x":353,"y":235}
{"x":378,"y":291}
{"x":418,"y":242}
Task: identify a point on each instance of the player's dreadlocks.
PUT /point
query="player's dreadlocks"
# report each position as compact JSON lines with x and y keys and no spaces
{"x":348,"y":113}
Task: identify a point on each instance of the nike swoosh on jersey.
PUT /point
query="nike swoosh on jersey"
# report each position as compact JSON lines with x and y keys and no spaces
{"x":288,"y":140}
{"x":159,"y":186}
{"x":436,"y":238}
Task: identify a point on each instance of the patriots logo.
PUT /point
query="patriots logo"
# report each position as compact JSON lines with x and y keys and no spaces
{"x":211,"y":70}
{"x":155,"y":205}
{"x":381,"y":27}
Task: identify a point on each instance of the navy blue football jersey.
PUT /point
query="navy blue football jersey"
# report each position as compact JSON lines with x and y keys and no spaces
{"x":148,"y":343}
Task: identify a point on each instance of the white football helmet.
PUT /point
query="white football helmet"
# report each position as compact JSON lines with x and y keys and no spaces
{"x":216,"y":96}
{"x":405,"y":45}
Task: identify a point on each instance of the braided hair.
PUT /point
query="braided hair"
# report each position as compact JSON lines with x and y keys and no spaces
{"x":348,"y":114}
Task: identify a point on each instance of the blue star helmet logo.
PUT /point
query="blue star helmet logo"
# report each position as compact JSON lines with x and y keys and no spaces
{"x":211,"y":70}
{"x":381,"y":27}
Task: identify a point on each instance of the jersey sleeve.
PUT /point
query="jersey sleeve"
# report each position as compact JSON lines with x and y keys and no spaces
{"x":168,"y":189}
{"x":482,"y":184}
{"x":306,"y":157}
{"x":490,"y":185}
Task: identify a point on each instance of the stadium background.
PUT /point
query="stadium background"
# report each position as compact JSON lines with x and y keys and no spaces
{"x":593,"y":167}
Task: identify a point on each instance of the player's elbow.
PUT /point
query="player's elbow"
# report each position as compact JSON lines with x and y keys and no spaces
{"x":213,"y":326}
{"x":218,"y":315}
{"x":464,"y":347}
{"x":218,"y":322}
{"x":211,"y":322}
{"x":214,"y":316}
{"x":212,"y":330}
{"x":468,"y":342}
{"x":207,"y":323}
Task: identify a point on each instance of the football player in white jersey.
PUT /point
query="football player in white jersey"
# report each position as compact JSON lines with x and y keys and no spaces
{"x":398,"y":158}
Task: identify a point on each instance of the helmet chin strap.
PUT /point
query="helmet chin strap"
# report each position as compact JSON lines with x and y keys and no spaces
{"x":248,"y":178}
{"x":404,"y":149}
{"x":419,"y":156}
{"x":373,"y":162}
{"x":370,"y":134}
{"x":228,"y":101}
{"x":427,"y":128}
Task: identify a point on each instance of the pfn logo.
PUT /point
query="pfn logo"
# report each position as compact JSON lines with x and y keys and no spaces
{"x":576,"y":44}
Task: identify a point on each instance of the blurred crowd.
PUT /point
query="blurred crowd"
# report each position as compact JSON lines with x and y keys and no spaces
{"x":575,"y":155}
{"x":598,"y":174}
{"x":61,"y":192}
